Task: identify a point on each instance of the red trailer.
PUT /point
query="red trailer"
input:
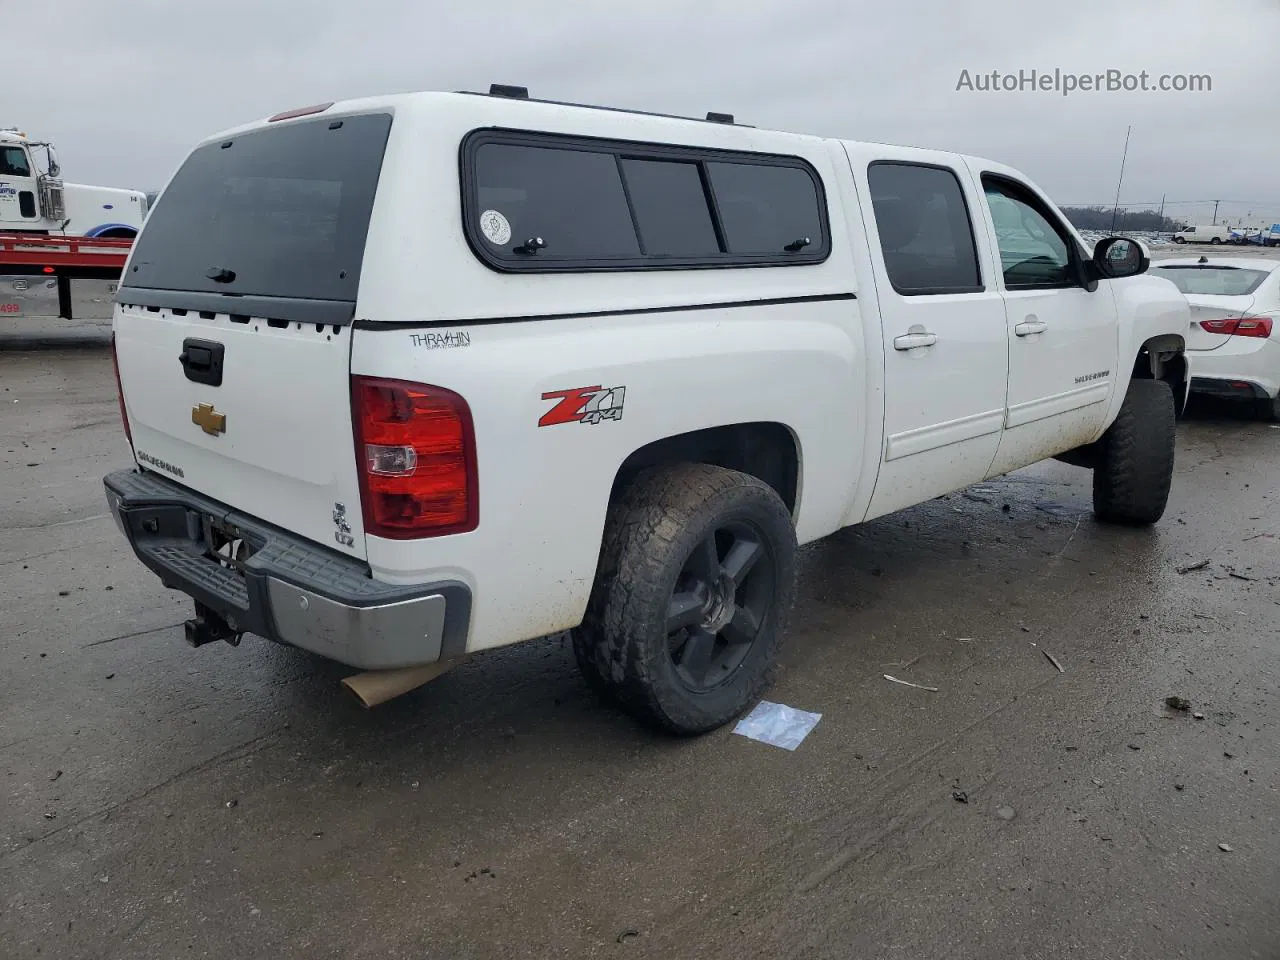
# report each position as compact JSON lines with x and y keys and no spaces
{"x":62,"y":259}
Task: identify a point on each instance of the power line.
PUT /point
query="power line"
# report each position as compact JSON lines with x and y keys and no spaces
{"x":1155,"y":203}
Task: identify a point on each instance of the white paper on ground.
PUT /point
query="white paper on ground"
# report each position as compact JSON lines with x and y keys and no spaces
{"x":777,"y":725}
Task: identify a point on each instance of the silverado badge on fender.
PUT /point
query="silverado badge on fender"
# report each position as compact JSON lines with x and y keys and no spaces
{"x":208,"y":419}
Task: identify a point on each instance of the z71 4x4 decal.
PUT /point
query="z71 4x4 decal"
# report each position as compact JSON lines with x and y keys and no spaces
{"x":584,"y":405}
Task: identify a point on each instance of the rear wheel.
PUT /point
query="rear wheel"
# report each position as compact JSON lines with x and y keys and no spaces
{"x":1215,"y":241}
{"x":696,"y":582}
{"x":1134,"y":472}
{"x":1269,"y":408}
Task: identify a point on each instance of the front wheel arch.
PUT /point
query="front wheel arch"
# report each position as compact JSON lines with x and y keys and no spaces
{"x":1164,"y":358}
{"x":1160,"y":358}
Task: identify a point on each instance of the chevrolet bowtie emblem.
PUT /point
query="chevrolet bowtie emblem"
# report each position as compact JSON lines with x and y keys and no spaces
{"x":208,"y":419}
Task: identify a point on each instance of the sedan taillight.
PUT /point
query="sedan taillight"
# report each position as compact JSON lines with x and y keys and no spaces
{"x":1240,"y":327}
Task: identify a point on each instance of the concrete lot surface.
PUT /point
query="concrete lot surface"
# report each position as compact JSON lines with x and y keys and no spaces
{"x":163,"y":802}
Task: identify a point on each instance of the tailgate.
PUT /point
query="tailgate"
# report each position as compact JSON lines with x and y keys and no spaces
{"x":273,"y":439}
{"x":1205,"y":307}
{"x":233,"y":322}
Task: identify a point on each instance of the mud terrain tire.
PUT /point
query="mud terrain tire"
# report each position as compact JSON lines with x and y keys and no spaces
{"x":1134,"y":471}
{"x":692,"y":596}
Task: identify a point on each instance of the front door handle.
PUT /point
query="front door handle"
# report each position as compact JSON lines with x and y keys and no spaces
{"x":1028,"y":328}
{"x":909,"y":341}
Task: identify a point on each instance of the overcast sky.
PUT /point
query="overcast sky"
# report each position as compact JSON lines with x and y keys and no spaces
{"x":131,"y":84}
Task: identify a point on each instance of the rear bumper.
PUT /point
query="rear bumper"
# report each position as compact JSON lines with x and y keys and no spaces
{"x":1232,"y":388}
{"x":289,"y":589}
{"x":1242,"y":367}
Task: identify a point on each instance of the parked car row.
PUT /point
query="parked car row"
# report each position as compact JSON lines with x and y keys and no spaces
{"x":1258,"y":238}
{"x":1211,"y":234}
{"x":1093,"y":237}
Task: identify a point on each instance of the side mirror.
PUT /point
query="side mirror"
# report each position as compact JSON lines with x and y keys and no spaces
{"x":1117,"y":257}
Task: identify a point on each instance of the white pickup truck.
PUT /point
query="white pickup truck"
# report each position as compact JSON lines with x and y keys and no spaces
{"x":408,"y":378}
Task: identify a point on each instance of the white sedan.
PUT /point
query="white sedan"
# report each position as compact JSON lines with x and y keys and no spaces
{"x":1233,"y":346}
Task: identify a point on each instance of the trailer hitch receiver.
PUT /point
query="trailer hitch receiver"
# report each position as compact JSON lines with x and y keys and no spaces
{"x":208,"y":626}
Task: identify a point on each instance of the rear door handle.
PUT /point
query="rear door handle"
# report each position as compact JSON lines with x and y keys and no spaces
{"x":909,"y":341}
{"x":1029,"y":328}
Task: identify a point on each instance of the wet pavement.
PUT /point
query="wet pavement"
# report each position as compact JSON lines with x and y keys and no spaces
{"x":163,"y":802}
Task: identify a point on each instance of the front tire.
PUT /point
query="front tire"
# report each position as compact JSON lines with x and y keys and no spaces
{"x":1134,"y":472}
{"x":695,"y":586}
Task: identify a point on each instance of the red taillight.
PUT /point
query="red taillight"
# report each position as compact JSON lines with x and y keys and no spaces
{"x":124,"y":417}
{"x":416,"y":453}
{"x":1242,"y":327}
{"x":1254,"y":327}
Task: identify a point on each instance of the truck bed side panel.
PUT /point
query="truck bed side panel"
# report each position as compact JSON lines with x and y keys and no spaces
{"x":544,"y":490}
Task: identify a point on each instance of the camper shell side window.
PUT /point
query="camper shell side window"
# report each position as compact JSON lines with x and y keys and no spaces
{"x":536,"y":202}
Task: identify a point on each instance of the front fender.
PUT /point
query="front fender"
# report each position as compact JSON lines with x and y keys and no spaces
{"x":1148,"y":309}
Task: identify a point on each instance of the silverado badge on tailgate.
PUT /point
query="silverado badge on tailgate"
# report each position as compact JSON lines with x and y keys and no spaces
{"x":208,"y":419}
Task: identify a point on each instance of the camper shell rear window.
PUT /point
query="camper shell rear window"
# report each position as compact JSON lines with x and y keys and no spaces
{"x":537,"y":202}
{"x":280,"y":213}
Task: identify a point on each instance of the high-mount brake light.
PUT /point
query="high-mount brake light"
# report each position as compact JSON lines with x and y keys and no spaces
{"x":416,"y":453}
{"x":301,"y":112}
{"x":1240,"y":327}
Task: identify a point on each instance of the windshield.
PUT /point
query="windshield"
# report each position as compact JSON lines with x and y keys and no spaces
{"x":281,"y":212}
{"x":1215,"y":281}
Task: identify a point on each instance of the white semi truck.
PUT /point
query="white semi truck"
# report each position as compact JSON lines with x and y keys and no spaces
{"x":45,"y":225}
{"x":33,"y":198}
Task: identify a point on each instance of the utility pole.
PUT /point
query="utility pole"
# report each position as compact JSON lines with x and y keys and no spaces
{"x":1162,"y":196}
{"x":1215,"y":212}
{"x":1116,"y":209}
